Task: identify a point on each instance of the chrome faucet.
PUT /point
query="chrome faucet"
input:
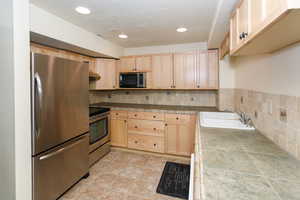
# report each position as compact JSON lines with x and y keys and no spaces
{"x":245,"y":119}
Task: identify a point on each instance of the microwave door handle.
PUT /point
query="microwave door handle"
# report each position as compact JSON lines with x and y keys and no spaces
{"x":138,"y":80}
{"x":38,"y":103}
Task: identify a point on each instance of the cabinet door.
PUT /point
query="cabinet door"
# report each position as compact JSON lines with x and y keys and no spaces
{"x":143,"y":63}
{"x":213,"y":67}
{"x":119,"y":132}
{"x":171,"y":139}
{"x":202,"y":70}
{"x":272,"y":7}
{"x":185,"y":70}
{"x":127,"y":64}
{"x":243,"y":19}
{"x":106,"y":68}
{"x":234,"y":36}
{"x":179,"y":139}
{"x":256,"y":14}
{"x":162,"y":71}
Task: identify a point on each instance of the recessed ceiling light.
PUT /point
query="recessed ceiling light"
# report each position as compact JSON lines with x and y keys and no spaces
{"x":181,"y":29}
{"x":83,"y":10}
{"x":123,"y":36}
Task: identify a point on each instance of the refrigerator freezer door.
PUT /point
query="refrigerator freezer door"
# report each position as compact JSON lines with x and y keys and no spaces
{"x":57,"y":170}
{"x":59,"y":99}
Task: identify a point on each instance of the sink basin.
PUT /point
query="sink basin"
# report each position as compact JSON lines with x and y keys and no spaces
{"x":222,"y":120}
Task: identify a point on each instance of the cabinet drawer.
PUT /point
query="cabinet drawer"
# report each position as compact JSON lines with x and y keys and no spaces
{"x":178,"y":118}
{"x":146,"y":115}
{"x":146,"y":143}
{"x":146,"y":127}
{"x":118,"y":114}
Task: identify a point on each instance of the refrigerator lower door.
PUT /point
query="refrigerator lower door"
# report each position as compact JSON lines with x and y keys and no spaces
{"x":57,"y":170}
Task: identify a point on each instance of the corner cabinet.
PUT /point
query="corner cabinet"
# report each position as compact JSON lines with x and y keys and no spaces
{"x":264,"y":26}
{"x":106,"y":69}
{"x":180,"y":134}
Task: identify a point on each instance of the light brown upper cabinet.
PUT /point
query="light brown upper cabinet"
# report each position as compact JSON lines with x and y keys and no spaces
{"x":162,"y":71}
{"x":243,"y":21}
{"x":264,"y":26}
{"x":224,"y":48}
{"x":135,"y":64}
{"x":207,"y":70}
{"x":127,"y":64}
{"x":185,"y":70}
{"x":233,"y":32}
{"x":213,"y":69}
{"x":106,"y":68}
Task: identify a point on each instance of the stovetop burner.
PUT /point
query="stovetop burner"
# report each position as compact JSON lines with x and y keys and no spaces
{"x":97,"y":110}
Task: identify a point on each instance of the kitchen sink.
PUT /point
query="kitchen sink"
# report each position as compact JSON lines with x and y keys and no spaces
{"x":223,"y":120}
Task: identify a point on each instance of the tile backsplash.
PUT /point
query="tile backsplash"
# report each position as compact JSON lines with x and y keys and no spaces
{"x":275,"y":116}
{"x":185,"y":98}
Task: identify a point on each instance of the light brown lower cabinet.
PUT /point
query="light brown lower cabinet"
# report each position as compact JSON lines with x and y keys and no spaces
{"x":180,"y":135}
{"x":119,"y":132}
{"x":154,"y":132}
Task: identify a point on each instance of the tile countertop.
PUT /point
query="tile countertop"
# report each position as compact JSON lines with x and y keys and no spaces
{"x":156,"y":108}
{"x":241,"y":165}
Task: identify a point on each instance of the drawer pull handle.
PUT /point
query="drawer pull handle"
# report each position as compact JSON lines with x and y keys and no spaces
{"x":177,"y":118}
{"x":154,"y":116}
{"x":155,"y":145}
{"x":135,"y":142}
{"x":117,"y":113}
{"x":125,"y":121}
{"x":166,"y":124}
{"x":135,"y":127}
{"x":135,"y":115}
{"x":154,"y":129}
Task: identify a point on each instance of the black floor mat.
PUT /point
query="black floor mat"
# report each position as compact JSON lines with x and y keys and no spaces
{"x":175,"y":180}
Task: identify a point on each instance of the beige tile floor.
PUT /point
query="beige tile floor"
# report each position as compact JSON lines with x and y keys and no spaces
{"x":123,"y":176}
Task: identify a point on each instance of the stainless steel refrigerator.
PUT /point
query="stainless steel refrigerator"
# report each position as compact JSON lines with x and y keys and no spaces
{"x":60,"y":117}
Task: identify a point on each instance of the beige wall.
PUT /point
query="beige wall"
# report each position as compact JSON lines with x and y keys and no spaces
{"x":277,"y":73}
{"x":47,"y":24}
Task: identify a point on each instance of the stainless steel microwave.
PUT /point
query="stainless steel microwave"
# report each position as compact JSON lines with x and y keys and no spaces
{"x":133,"y":80}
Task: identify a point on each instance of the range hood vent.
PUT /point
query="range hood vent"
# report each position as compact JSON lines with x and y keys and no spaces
{"x":94,"y":76}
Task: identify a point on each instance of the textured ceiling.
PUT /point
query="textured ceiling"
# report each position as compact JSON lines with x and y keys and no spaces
{"x":146,"y":22}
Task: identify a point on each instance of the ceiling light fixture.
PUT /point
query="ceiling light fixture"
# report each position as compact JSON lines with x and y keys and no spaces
{"x":181,"y":30}
{"x":123,"y":36}
{"x":83,"y":10}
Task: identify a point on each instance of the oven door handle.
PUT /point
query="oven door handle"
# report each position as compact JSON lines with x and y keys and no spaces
{"x":92,"y":120}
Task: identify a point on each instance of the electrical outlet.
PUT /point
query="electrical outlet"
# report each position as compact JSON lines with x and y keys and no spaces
{"x":270,"y":107}
{"x":255,"y":114}
{"x":283,"y":115}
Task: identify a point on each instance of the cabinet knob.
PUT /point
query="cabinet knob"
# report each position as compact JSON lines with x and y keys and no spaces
{"x":135,"y":115}
{"x":125,"y":121}
{"x":154,"y":145}
{"x":154,"y":116}
{"x":198,"y":86}
{"x":135,"y":142}
{"x":114,"y":86}
{"x":117,"y":113}
{"x":241,"y":36}
{"x":154,"y":129}
{"x":166,"y":124}
{"x":135,"y":127}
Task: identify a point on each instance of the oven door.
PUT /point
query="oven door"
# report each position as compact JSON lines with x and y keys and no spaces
{"x":99,"y":131}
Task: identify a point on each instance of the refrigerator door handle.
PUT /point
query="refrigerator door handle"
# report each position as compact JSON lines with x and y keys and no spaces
{"x":61,"y":149}
{"x":38,"y":102}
